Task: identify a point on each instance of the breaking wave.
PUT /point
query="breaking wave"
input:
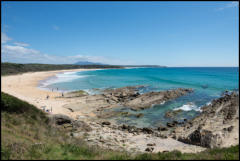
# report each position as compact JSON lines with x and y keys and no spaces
{"x":62,"y":77}
{"x":188,"y":107}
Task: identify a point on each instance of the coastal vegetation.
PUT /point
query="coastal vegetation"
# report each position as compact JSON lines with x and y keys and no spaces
{"x":27,"y":133}
{"x":14,"y":68}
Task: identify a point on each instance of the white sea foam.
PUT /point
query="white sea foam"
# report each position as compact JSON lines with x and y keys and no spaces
{"x":209,"y":103}
{"x":188,"y":107}
{"x":162,"y":103}
{"x":62,"y":77}
{"x":90,"y":91}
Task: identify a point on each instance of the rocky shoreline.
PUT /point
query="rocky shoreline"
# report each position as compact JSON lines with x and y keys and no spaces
{"x":130,"y":97}
{"x":121,"y":137}
{"x":121,"y":97}
{"x":216,"y":126}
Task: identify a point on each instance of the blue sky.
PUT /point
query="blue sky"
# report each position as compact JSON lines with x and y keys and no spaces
{"x":159,"y":33}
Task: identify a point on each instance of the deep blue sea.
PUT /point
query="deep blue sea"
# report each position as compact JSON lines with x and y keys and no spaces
{"x":208,"y":83}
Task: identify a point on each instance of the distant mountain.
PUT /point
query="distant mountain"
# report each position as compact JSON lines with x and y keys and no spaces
{"x":88,"y":63}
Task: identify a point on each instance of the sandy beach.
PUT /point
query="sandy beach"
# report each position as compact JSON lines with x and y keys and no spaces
{"x":24,"y":87}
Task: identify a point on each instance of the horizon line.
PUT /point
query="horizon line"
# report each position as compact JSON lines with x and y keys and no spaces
{"x":136,"y":65}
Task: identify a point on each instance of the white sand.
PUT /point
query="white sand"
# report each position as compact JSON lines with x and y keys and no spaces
{"x":24,"y":87}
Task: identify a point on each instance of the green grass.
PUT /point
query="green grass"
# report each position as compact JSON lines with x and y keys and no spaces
{"x":27,"y":134}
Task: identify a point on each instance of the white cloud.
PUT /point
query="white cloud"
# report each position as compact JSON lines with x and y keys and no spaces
{"x":229,"y":5}
{"x":4,"y":38}
{"x":21,"y":54}
{"x":21,"y":44}
{"x":18,"y":50}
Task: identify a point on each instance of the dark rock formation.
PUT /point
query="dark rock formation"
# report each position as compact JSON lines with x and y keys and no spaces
{"x":59,"y":119}
{"x":151,"y":144}
{"x":149,"y":149}
{"x":69,"y":124}
{"x":162,"y":128}
{"x":147,"y":130}
{"x":106,"y":123}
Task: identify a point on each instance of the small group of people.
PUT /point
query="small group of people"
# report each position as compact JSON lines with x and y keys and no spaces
{"x":47,"y":97}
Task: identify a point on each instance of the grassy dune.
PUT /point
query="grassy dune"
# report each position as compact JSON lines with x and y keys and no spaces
{"x":27,"y":134}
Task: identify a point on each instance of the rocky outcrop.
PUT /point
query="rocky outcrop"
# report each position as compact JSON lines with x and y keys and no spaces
{"x":124,"y":97}
{"x":144,"y":130}
{"x":60,"y":119}
{"x":70,"y":125}
{"x":146,"y":100}
{"x":122,"y":94}
{"x":216,"y":126}
{"x":127,"y":138}
{"x":130,"y":97}
{"x":81,"y":126}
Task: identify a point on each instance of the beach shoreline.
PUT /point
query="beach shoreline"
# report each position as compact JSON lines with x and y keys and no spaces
{"x":25,"y":86}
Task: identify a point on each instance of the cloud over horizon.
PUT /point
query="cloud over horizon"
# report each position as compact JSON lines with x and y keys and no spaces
{"x":19,"y":52}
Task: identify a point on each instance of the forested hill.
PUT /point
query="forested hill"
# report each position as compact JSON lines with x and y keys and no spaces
{"x":13,"y":68}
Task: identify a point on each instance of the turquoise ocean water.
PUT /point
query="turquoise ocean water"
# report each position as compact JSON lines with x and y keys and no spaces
{"x":208,"y":83}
